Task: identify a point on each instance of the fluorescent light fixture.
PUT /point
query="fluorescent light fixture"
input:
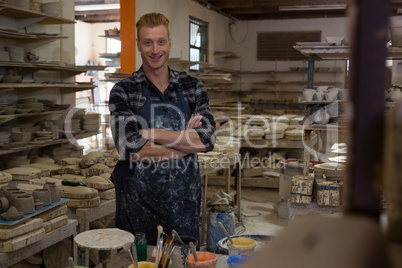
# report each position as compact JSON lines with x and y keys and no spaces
{"x":312,"y":7}
{"x":97,"y":7}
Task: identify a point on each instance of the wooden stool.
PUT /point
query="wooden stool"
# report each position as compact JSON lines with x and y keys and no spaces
{"x":102,"y":240}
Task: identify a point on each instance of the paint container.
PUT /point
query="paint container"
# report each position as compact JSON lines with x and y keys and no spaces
{"x":181,"y":252}
{"x":241,"y":246}
{"x":205,"y":260}
{"x":144,"y":264}
{"x":214,"y":232}
{"x":237,"y":261}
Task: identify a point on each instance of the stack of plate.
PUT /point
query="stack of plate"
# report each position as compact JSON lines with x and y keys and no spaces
{"x":33,"y":103}
{"x":5,"y":137}
{"x":4,"y":55}
{"x":91,"y":122}
{"x":44,"y":135}
{"x":52,"y":8}
{"x":21,"y":136}
{"x":16,"y":53}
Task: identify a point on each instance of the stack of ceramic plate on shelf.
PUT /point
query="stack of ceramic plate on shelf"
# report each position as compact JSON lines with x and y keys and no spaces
{"x":91,"y":122}
{"x":44,"y":135}
{"x":4,"y":55}
{"x":5,"y":137}
{"x":20,"y":3}
{"x":17,"y":54}
{"x":73,"y":124}
{"x":30,"y":103}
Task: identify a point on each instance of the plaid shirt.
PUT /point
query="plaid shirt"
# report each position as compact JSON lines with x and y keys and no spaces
{"x":126,"y":99}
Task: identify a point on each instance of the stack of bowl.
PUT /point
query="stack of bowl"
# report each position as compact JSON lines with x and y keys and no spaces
{"x":91,"y":122}
{"x":5,"y":137}
{"x":16,"y":53}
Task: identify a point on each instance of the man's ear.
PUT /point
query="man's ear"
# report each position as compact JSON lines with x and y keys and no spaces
{"x":138,"y":44}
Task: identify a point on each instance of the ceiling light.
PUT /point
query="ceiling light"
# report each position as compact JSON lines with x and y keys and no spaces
{"x":97,"y":7}
{"x":312,"y":7}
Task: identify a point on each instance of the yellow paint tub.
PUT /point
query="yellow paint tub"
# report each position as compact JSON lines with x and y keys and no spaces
{"x":241,"y":246}
{"x":144,"y":264}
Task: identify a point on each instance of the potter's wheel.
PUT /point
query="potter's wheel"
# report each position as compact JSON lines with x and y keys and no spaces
{"x":260,"y":240}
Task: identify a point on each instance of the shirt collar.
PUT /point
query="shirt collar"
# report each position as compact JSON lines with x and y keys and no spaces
{"x":173,"y":82}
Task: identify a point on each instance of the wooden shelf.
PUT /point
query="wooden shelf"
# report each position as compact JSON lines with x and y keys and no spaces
{"x":323,"y":102}
{"x":51,"y":67}
{"x":226,"y":55}
{"x":6,"y":118}
{"x":36,"y":146}
{"x":279,"y":143}
{"x":77,"y":87}
{"x":328,"y":127}
{"x":20,"y":13}
{"x":338,"y":52}
{"x":51,"y":238}
{"x":116,"y":37}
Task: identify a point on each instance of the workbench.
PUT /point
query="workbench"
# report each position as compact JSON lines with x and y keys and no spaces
{"x":10,"y":258}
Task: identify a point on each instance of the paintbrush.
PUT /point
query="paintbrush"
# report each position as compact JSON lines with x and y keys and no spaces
{"x":177,"y":237}
{"x":158,"y":246}
{"x":226,"y":233}
{"x":169,"y":244}
{"x":192,"y":247}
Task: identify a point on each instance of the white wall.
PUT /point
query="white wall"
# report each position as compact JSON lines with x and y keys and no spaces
{"x":178,"y":13}
{"x":88,"y":44}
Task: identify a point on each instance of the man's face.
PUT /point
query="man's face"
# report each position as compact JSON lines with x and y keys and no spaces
{"x":154,"y":46}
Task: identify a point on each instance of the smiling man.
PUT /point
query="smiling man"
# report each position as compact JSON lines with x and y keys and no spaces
{"x":160,"y":120}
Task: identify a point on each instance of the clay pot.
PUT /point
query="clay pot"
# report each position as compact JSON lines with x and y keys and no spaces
{"x":4,"y":204}
{"x":25,"y":204}
{"x":14,"y":195}
{"x":43,"y":195}
{"x":54,"y":191}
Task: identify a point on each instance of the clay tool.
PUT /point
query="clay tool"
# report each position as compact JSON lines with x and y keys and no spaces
{"x":177,"y":237}
{"x":226,"y":233}
{"x":193,"y":251}
{"x":159,"y":246}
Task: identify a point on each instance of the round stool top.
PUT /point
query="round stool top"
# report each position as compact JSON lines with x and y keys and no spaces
{"x":105,"y":239}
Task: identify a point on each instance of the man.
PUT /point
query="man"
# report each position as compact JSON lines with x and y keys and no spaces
{"x":160,"y":120}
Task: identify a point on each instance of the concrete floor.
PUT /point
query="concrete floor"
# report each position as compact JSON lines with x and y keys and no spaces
{"x":258,"y":213}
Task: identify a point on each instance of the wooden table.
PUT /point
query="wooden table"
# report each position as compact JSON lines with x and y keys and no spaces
{"x":87,"y":215}
{"x":226,"y":165}
{"x":51,"y":238}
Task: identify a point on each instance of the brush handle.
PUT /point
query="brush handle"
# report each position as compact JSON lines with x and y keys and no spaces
{"x":226,"y":233}
{"x":194,"y":251}
{"x":178,"y":237}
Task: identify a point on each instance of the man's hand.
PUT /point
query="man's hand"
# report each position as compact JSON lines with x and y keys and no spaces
{"x":195,"y":121}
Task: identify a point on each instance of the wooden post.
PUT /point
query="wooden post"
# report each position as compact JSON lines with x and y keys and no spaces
{"x":127,"y":36}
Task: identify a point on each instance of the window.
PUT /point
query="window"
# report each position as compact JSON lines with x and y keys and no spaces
{"x":198,"y":42}
{"x":279,"y":45}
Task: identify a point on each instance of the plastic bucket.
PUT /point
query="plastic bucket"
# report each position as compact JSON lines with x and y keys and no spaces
{"x":215,"y":233}
{"x":237,"y":261}
{"x":205,"y":260}
{"x":181,"y":252}
{"x":241,"y":246}
{"x":144,"y":264}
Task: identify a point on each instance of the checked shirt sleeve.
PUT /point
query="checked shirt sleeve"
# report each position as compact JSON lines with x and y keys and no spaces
{"x":124,"y":123}
{"x":207,"y":131}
